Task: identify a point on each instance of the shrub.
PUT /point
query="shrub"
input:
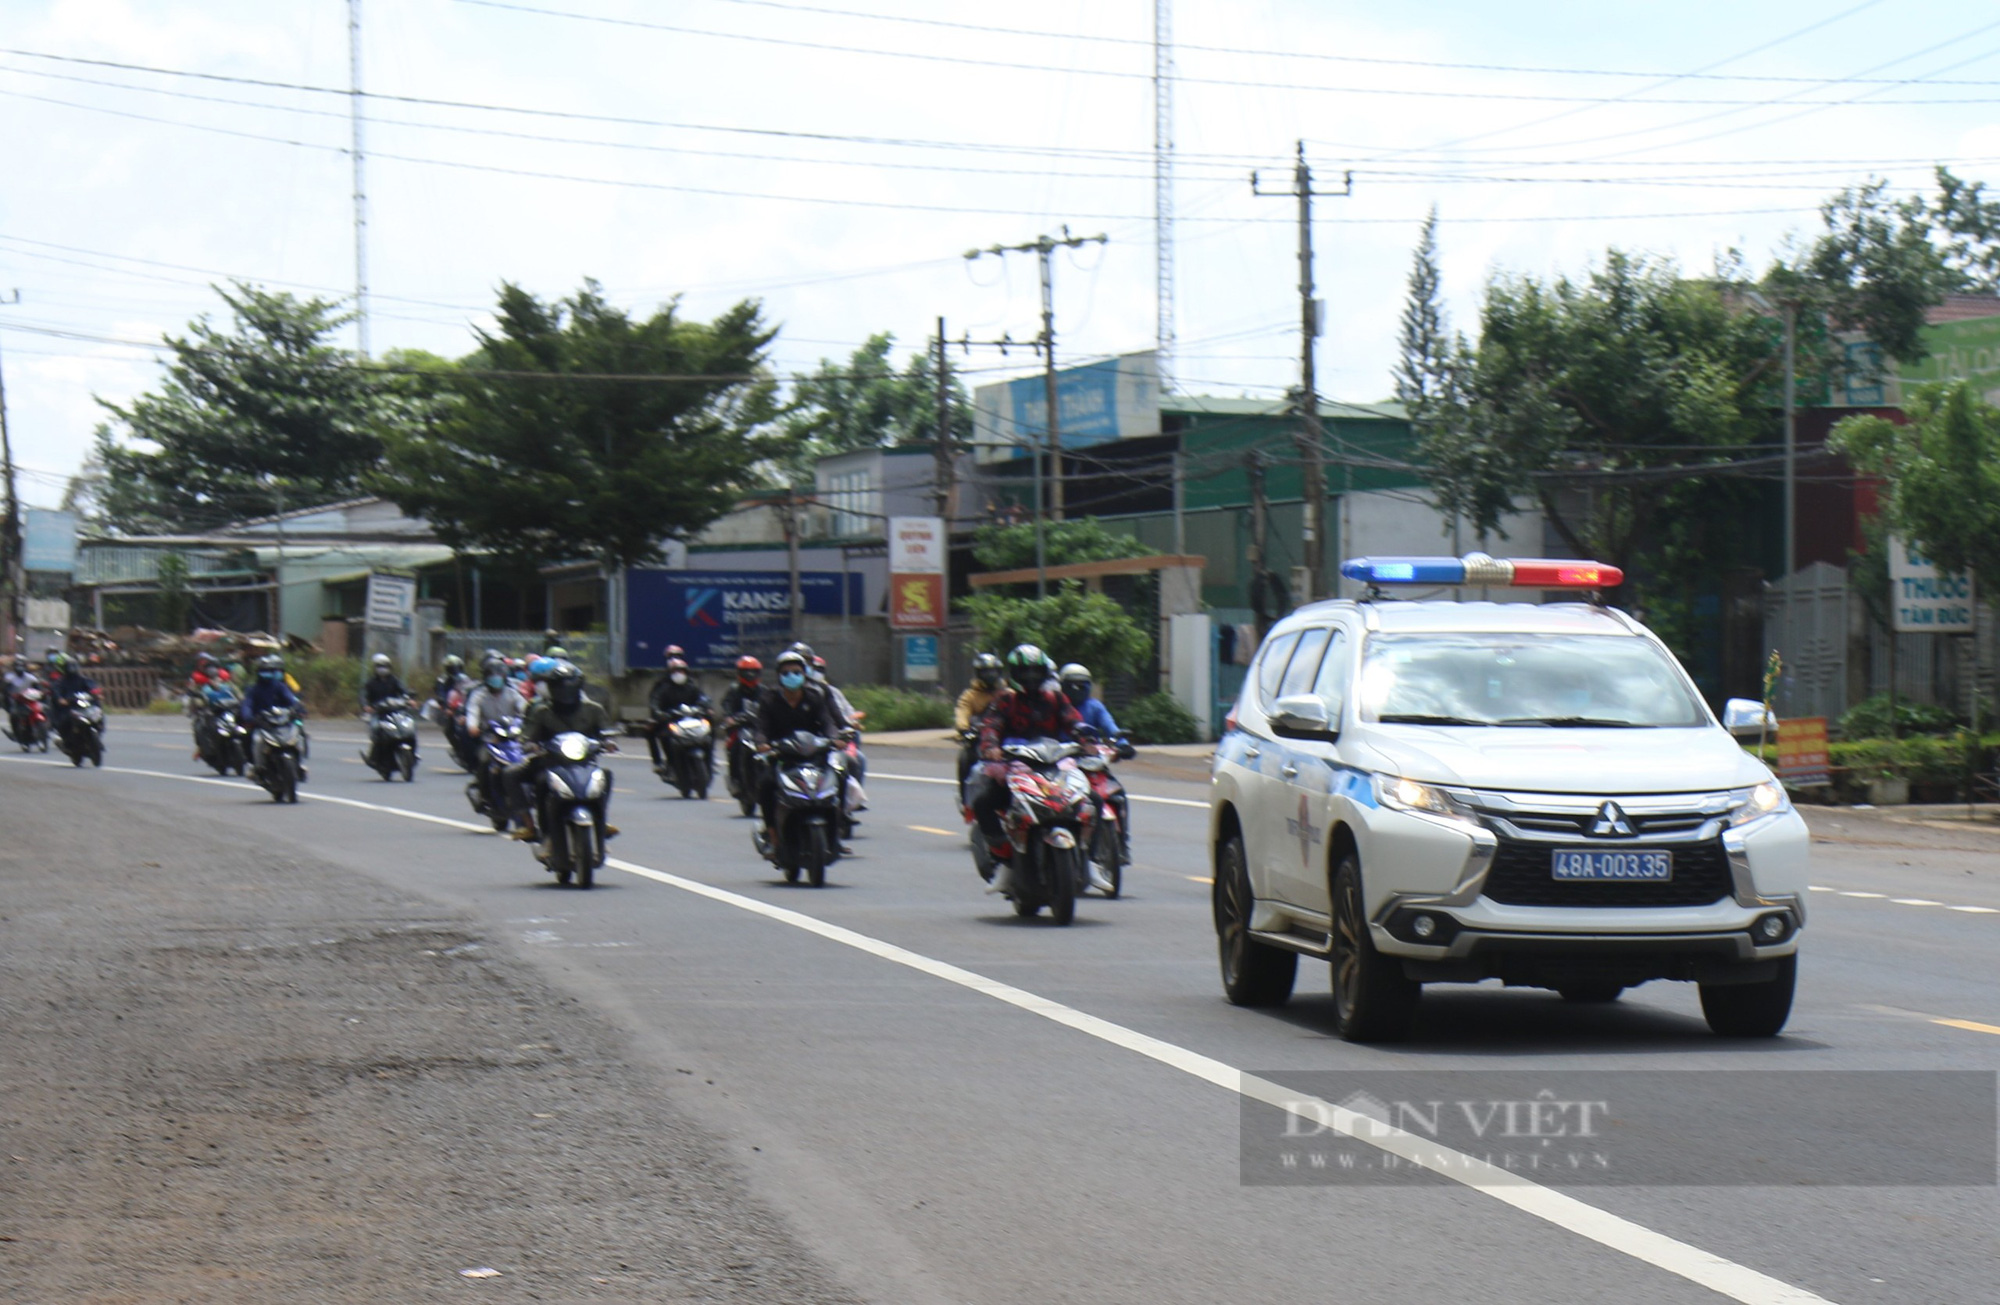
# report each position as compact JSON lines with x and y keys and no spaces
{"x":1159,"y":718}
{"x":898,"y":709}
{"x":331,"y":686}
{"x":1869,"y":719}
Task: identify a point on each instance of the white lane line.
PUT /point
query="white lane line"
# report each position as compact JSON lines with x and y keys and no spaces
{"x":1849,"y":893}
{"x":1906,"y":901}
{"x":1914,"y":901}
{"x":1703,"y":1268}
{"x":1136,"y":797}
{"x":1975,"y":910}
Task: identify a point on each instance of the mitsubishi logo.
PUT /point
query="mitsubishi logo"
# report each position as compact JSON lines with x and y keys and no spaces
{"x":1611,"y":823}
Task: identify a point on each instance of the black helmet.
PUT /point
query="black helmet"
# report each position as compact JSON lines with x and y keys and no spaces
{"x":987,"y":672}
{"x":1029,"y":667}
{"x":270,"y":664}
{"x":565,"y":685}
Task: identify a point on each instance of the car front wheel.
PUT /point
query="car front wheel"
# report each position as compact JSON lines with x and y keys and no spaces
{"x":1372,"y":1000}
{"x":1751,"y":1010}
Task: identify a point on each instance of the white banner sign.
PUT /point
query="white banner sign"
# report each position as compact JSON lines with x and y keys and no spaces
{"x":1927,"y":602}
{"x":392,"y":599}
{"x":917,"y":545}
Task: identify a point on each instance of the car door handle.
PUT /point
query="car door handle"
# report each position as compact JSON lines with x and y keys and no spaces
{"x":1252,"y":752}
{"x":1288,"y":770}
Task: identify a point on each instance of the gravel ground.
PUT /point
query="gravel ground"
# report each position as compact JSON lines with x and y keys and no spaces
{"x":232,"y":1076}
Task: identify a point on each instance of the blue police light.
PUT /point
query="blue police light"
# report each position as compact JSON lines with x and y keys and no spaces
{"x":1404,"y":570}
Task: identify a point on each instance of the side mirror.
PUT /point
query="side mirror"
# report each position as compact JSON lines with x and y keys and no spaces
{"x":1303,"y":716}
{"x":1747,"y":716}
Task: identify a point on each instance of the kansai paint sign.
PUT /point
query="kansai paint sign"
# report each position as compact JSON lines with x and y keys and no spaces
{"x":718,"y":616}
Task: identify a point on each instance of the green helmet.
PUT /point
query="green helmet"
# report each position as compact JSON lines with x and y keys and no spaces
{"x":1029,"y":667}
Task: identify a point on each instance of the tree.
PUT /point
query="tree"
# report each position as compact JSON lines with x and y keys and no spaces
{"x":865,"y":403}
{"x":1942,"y":469}
{"x":1082,"y":539}
{"x":578,"y":431}
{"x":263,"y":413}
{"x":1071,"y":624}
{"x":1875,"y":269}
{"x":1970,"y":226}
{"x":1433,"y":374}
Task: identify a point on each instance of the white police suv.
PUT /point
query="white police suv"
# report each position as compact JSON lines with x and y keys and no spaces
{"x":1447,"y":792}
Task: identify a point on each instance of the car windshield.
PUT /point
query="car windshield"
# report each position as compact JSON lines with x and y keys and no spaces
{"x":1524,"y":680}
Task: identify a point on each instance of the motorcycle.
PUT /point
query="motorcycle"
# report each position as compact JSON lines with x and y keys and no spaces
{"x":687,"y":733}
{"x":464,"y":747}
{"x":1109,"y":850}
{"x":500,"y":747}
{"x":853,"y":797}
{"x":571,"y":798}
{"x":1049,"y":824}
{"x":811,"y":773}
{"x":82,"y":735}
{"x":280,"y":749}
{"x":29,"y":721}
{"x":392,"y":740}
{"x":739,"y":762}
{"x":221,"y":739}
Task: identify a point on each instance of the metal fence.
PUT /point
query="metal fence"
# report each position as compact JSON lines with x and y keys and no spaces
{"x":590,"y":652}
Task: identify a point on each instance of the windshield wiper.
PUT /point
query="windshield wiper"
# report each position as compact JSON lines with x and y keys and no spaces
{"x":1576,"y":722}
{"x":1412,"y":718}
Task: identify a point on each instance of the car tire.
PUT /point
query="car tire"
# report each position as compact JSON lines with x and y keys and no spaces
{"x":1751,"y":1010}
{"x":1373,"y":1001}
{"x":1253,"y":973}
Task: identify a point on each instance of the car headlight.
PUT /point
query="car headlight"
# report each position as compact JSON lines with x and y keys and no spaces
{"x":1767,"y":799}
{"x":1399,"y":794}
{"x":574,"y":747}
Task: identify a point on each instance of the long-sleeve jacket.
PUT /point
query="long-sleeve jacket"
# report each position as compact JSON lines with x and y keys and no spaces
{"x":265,"y":694}
{"x":972,"y":704}
{"x":1098,"y":716}
{"x":487,"y":705}
{"x":667,"y":695}
{"x":740,"y":698}
{"x":545,"y":720}
{"x":378,"y":689}
{"x":1041,"y":714}
{"x":813,"y":712}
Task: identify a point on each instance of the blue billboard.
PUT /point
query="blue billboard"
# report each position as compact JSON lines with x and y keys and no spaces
{"x":48,"y":541}
{"x":718,"y":616}
{"x":1115,"y":398}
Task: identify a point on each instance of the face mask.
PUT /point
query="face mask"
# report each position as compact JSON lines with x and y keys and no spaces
{"x":678,"y":678}
{"x":792,"y":680}
{"x":496,"y":681}
{"x":267,"y":675}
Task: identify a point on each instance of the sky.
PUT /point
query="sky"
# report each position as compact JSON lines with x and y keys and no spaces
{"x":836,"y":159}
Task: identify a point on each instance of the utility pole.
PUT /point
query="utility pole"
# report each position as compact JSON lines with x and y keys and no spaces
{"x":354,"y":120}
{"x":1309,"y":438}
{"x":788,"y":511}
{"x":1260,"y":611}
{"x":11,"y":570}
{"x":1163,"y":187}
{"x":1043,"y":247}
{"x":946,"y":471}
{"x":1180,"y":503}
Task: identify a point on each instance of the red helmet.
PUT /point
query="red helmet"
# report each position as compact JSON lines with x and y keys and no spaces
{"x":749,"y":670}
{"x":673,"y":650}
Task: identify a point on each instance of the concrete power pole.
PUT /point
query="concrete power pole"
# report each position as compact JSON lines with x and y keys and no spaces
{"x":946,"y":472}
{"x":1043,"y":247}
{"x":1310,"y":438}
{"x":12,"y":573}
{"x":1163,"y":187}
{"x":354,"y":120}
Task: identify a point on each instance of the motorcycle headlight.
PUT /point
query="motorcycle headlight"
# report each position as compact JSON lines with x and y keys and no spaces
{"x":573,"y":747}
{"x":558,"y":787}
{"x":1399,"y":794}
{"x":1767,"y":799}
{"x":599,"y":782}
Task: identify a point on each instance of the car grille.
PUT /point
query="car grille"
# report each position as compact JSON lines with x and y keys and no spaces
{"x":1520,"y":876}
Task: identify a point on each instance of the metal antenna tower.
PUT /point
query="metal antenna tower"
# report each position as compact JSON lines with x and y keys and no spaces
{"x":1163,"y":186}
{"x":354,"y":118}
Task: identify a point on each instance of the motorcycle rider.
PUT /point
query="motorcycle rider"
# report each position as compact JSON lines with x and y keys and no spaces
{"x":675,"y":689}
{"x":743,"y":696}
{"x":381,"y":686}
{"x":451,"y":679}
{"x":69,"y":681}
{"x":494,"y":700}
{"x":1030,"y":708}
{"x":795,"y":704}
{"x":18,"y":680}
{"x":1076,"y":686}
{"x":270,"y":690}
{"x":987,"y":674}
{"x":562,"y":710}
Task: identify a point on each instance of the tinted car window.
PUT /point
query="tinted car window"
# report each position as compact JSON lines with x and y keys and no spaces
{"x":1331,"y":683}
{"x":1524,"y":680}
{"x":1305,"y":663}
{"x":1271,"y":664}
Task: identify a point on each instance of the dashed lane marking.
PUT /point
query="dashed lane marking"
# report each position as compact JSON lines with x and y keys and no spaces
{"x":1682,"y":1259}
{"x":1198,"y":879}
{"x":1904,"y":901}
{"x":1973,"y":1026}
{"x":929,"y":829}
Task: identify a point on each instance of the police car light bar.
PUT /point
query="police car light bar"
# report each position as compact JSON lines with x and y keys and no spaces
{"x":1479,"y":569}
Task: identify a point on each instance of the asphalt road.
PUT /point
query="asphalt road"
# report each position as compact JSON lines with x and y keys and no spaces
{"x":947,"y":1103}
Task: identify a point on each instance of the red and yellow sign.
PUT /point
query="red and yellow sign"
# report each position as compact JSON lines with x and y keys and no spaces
{"x":1802,"y":754}
{"x":916,"y":601}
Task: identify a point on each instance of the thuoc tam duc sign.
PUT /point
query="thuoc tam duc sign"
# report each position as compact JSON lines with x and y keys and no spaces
{"x":1926,"y":600}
